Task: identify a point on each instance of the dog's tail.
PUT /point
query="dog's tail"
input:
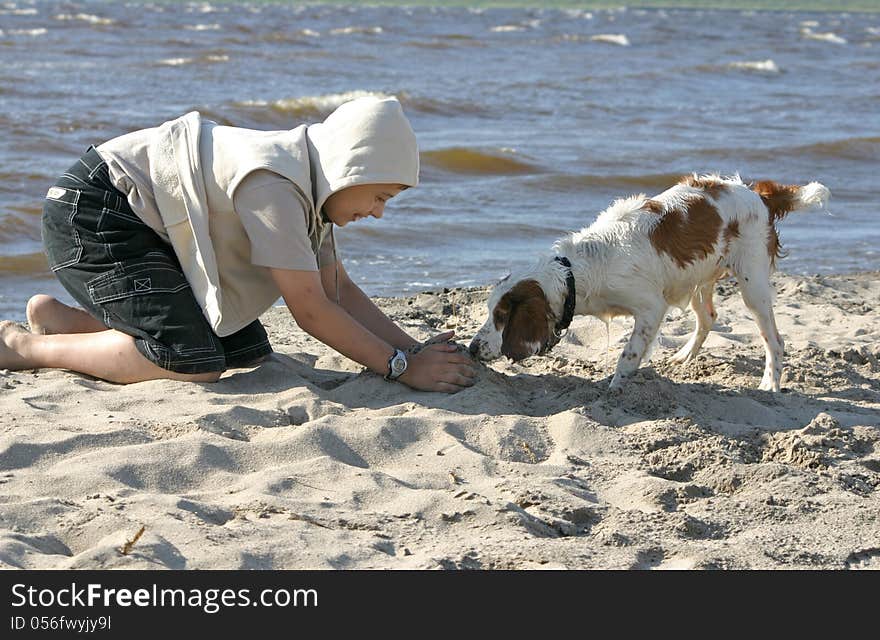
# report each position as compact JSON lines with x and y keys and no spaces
{"x":782,"y":199}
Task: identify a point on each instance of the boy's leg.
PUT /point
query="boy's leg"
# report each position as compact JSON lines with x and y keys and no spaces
{"x":110,"y":355}
{"x":46,"y":315}
{"x":141,"y":320}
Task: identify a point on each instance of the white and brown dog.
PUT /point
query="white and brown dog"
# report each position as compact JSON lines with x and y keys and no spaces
{"x":643,"y":255}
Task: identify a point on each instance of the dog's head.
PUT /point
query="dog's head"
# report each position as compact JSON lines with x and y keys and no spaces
{"x":523,"y":312}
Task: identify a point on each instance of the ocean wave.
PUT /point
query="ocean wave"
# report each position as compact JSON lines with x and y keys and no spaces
{"x":452,"y":41}
{"x":301,"y":36}
{"x":28,"y":32}
{"x":478,"y":161}
{"x":449,"y":227}
{"x":824,"y":37}
{"x":438,"y":106}
{"x":507,"y":28}
{"x":356,"y":30}
{"x":19,"y":227}
{"x":29,"y":263}
{"x":758,"y":66}
{"x":205,"y":7}
{"x":570,"y":183}
{"x":863,"y":148}
{"x":764,"y":66}
{"x":281,"y":112}
{"x":202,"y":27}
{"x":310,"y":106}
{"x":12,"y":11}
{"x":611,"y":38}
{"x":176,"y":62}
{"x":857,"y":148}
{"x":85,"y":17}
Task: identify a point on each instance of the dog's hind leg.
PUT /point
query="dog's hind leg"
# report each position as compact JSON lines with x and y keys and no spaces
{"x":757,"y":292}
{"x":645,"y":330}
{"x":701,"y":303}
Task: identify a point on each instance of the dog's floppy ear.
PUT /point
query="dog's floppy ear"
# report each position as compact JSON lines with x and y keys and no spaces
{"x":525,"y":314}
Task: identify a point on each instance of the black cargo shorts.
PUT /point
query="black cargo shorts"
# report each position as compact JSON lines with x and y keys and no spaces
{"x":127,"y":277}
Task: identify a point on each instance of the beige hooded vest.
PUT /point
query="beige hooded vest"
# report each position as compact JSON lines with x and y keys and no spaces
{"x":194,"y":161}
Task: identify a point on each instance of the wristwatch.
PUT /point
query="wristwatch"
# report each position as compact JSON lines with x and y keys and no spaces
{"x":396,"y":365}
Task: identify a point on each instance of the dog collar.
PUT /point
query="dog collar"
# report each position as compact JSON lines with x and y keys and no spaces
{"x":568,"y":309}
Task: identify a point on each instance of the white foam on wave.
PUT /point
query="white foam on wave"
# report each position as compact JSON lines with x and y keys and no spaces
{"x":322,"y":103}
{"x":310,"y":33}
{"x":85,"y":17}
{"x":504,"y":28}
{"x":175,"y":62}
{"x":874,"y":31}
{"x":824,"y":37}
{"x":611,"y":38}
{"x":12,"y":11}
{"x":202,"y":27}
{"x":578,"y":13}
{"x":766,"y":66}
{"x":205,"y":7}
{"x":351,"y":30}
{"x":28,"y":32}
{"x":809,"y":24}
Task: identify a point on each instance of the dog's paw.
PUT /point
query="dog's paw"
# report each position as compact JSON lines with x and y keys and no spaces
{"x":616,"y":384}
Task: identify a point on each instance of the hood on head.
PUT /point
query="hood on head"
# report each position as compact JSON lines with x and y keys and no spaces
{"x":364,"y":141}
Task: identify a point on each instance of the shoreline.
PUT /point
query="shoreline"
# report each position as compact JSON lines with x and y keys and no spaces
{"x":309,"y":462}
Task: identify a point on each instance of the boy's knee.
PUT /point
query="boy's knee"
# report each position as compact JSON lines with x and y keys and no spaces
{"x":38,"y":304}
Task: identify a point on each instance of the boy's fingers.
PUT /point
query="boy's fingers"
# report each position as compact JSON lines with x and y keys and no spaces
{"x":442,"y":347}
{"x":463,"y":380}
{"x":464,"y":370}
{"x":443,"y":337}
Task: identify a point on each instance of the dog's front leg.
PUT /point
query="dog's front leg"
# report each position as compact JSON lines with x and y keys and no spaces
{"x":645,"y":330}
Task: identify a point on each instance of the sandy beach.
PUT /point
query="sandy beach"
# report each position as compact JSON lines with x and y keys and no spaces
{"x":309,"y":462}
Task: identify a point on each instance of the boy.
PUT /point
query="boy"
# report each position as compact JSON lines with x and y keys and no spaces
{"x":176,"y":239}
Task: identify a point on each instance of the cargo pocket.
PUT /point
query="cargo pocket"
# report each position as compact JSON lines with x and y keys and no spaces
{"x":153,"y":297}
{"x":61,"y":239}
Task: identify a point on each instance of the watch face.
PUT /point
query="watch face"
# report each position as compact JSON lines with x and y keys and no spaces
{"x":398,"y":365}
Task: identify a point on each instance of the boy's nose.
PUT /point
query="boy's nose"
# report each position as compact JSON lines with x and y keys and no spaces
{"x":378,"y":210}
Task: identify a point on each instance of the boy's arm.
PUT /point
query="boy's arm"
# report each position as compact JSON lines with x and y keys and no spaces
{"x":360,"y":307}
{"x":437,"y":367}
{"x":331,"y":324}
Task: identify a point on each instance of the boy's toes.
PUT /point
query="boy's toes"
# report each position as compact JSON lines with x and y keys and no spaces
{"x":9,"y":356}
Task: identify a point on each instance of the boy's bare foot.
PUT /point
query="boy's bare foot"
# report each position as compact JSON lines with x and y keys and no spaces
{"x":47,"y":316}
{"x":11,"y":337}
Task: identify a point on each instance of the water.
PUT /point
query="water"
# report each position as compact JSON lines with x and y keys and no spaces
{"x":530,"y":120}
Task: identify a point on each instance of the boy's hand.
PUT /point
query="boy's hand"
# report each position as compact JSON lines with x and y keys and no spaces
{"x":442,"y":338}
{"x":439,"y":367}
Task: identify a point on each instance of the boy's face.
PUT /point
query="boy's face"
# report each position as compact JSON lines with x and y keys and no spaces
{"x":359,"y":201}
